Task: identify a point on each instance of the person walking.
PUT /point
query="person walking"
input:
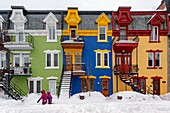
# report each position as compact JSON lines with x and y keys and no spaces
{"x":43,"y":97}
{"x":49,"y":97}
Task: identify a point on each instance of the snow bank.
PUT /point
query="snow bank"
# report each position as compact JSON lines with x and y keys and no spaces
{"x":166,"y":97}
{"x":134,"y":97}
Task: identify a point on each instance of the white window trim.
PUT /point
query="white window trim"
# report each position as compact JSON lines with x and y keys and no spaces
{"x":107,"y":59}
{"x":102,"y":60}
{"x":159,"y":59}
{"x":49,"y":84}
{"x":153,"y":34}
{"x":21,"y":57}
{"x":55,"y":35}
{"x":151,"y":53}
{"x":35,"y":79}
{"x":99,"y":34}
{"x":2,"y":52}
{"x":52,"y":52}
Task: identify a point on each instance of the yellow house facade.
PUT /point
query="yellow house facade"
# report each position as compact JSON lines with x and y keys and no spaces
{"x":140,"y":46}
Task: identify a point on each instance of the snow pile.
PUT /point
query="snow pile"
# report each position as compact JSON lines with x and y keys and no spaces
{"x":166,"y":97}
{"x":89,"y":97}
{"x":134,"y":97}
{"x":93,"y":102}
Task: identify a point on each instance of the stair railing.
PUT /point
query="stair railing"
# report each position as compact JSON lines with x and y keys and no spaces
{"x":59,"y":87}
{"x":70,"y":89}
{"x":17,"y":89}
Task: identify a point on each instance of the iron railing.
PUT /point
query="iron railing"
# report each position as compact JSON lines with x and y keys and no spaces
{"x":23,"y":70}
{"x":59,"y":87}
{"x":126,"y":69}
{"x":78,"y":66}
{"x":19,"y":38}
{"x":77,"y":39}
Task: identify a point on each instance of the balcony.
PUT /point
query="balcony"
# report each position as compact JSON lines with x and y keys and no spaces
{"x":76,"y":43}
{"x":124,"y":69}
{"x":21,"y":71}
{"x":18,"y":41}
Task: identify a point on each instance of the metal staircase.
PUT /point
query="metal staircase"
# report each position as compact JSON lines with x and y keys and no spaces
{"x":12,"y":90}
{"x":65,"y":85}
{"x":129,"y":82}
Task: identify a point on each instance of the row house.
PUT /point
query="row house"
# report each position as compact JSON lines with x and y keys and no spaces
{"x":71,"y":51}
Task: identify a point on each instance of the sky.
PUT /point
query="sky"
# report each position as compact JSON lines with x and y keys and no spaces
{"x":110,"y":5}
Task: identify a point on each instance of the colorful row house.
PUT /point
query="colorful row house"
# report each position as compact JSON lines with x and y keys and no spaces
{"x":68,"y":52}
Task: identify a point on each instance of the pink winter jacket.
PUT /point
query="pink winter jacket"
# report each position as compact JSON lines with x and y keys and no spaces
{"x":49,"y":97}
{"x":43,"y":97}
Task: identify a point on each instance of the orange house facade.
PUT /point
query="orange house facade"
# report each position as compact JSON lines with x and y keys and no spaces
{"x":140,"y":49}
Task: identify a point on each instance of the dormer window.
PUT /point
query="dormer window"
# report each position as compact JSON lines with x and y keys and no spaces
{"x":123,"y":33}
{"x":102,"y":33}
{"x":72,"y":32}
{"x":154,"y":34}
{"x":51,"y":32}
{"x":51,"y":26}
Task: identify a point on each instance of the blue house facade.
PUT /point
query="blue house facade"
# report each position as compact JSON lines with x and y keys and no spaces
{"x":87,"y":52}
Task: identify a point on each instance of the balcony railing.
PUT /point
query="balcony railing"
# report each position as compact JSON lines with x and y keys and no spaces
{"x":21,"y":71}
{"x":126,"y":69}
{"x":19,"y":38}
{"x":79,"y":66}
{"x":77,"y":39}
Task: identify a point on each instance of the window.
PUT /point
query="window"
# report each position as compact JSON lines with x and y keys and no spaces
{"x":98,"y":59}
{"x":31,"y":89}
{"x":106,"y":59}
{"x":21,"y":60}
{"x":154,"y":60}
{"x":122,"y":33}
{"x":150,"y":60}
{"x":87,"y":84}
{"x":157,"y":55}
{"x":91,"y":84}
{"x":102,"y":33}
{"x":35,"y":85}
{"x":154,"y":34}
{"x":51,"y":31}
{"x":38,"y":86}
{"x":3,"y":60}
{"x":52,"y":59}
{"x":73,"y":32}
{"x":102,"y":58}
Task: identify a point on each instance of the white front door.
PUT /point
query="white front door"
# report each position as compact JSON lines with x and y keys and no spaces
{"x":52,"y":87}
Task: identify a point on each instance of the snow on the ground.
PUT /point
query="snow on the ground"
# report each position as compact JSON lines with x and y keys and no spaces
{"x":93,"y":102}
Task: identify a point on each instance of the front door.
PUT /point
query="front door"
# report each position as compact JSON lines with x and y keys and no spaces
{"x":68,"y":62}
{"x":52,"y":87}
{"x":156,"y":86}
{"x":125,"y":61}
{"x":105,"y":87}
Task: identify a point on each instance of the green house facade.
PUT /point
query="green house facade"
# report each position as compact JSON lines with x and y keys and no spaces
{"x":33,"y":39}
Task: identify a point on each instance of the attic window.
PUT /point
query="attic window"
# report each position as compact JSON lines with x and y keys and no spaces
{"x":154,"y":34}
{"x":72,"y":32}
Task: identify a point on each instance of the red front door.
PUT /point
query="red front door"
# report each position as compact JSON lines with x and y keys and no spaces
{"x":156,"y":86}
{"x":124,"y":62}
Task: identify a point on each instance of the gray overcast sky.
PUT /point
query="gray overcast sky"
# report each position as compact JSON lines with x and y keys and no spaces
{"x":81,"y":4}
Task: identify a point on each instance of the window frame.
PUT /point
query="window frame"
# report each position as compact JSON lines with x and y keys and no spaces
{"x":1,"y":61}
{"x":52,"y":53}
{"x":102,"y":59}
{"x":152,"y":36}
{"x":34,"y":80}
{"x":99,"y":33}
{"x":154,"y":60}
{"x":48,"y":26}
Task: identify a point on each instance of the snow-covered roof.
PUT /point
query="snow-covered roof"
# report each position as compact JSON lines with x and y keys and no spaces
{"x":126,"y":41}
{"x":71,"y":41}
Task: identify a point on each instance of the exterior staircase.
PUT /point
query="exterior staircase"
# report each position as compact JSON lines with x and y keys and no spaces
{"x":65,"y":85}
{"x":129,"y":82}
{"x":11,"y":90}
